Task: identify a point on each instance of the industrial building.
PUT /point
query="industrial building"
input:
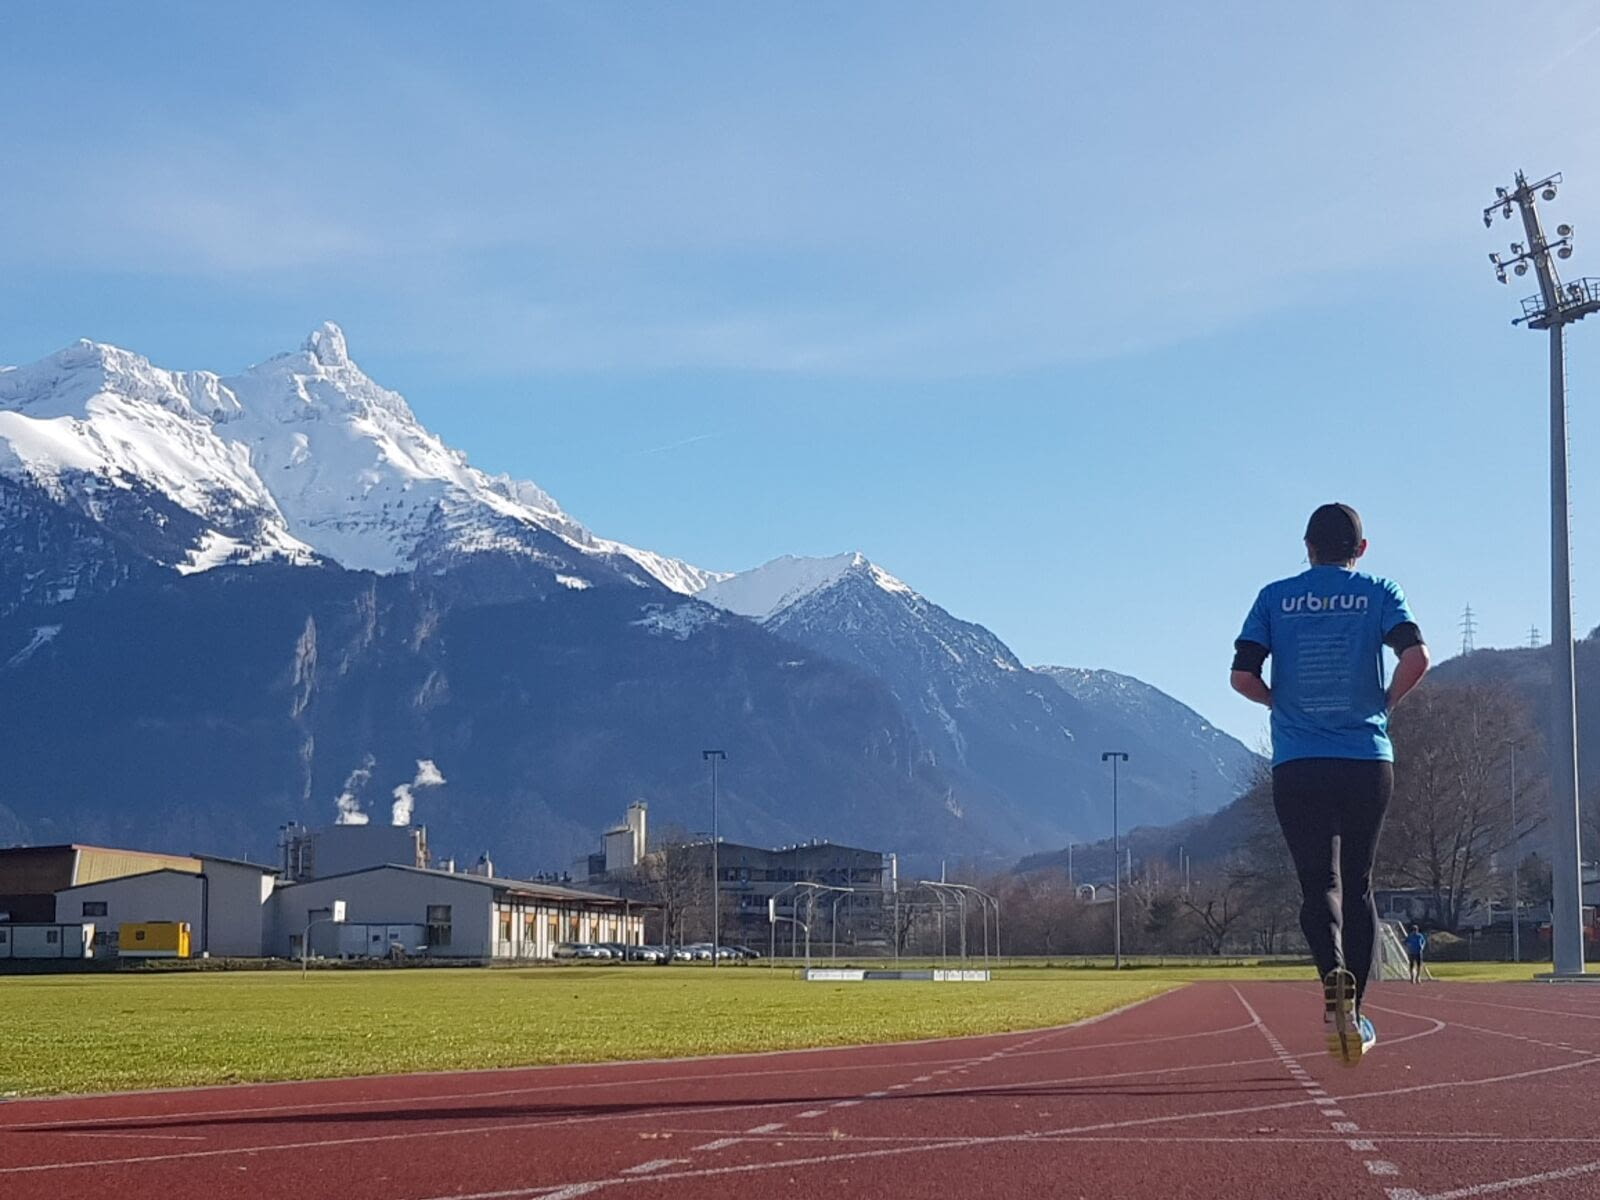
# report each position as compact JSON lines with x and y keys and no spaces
{"x":447,"y":915}
{"x":748,"y":878}
{"x":72,"y":900}
{"x":30,"y":876}
{"x":224,"y":903}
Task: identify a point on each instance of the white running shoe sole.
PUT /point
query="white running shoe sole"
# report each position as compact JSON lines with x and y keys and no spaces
{"x":1339,"y":1005}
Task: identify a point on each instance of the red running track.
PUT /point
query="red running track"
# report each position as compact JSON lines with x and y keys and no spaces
{"x":1213,"y":1090}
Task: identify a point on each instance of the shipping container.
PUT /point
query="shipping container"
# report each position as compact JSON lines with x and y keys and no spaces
{"x":153,"y":939}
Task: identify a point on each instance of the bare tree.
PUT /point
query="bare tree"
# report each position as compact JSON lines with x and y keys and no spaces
{"x":676,"y":880}
{"x":1451,"y":812}
{"x":1219,"y":901}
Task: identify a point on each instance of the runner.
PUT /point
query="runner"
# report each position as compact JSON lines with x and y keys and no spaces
{"x":1332,"y":762}
{"x":1416,"y":943}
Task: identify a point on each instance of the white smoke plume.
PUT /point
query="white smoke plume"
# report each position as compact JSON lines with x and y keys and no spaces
{"x":349,"y":801}
{"x":428,"y":775}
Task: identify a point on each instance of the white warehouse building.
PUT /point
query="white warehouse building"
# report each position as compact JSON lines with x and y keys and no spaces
{"x":224,"y":903}
{"x":444,"y":915}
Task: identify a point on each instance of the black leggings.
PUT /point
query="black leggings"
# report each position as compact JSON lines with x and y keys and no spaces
{"x":1331,"y":812}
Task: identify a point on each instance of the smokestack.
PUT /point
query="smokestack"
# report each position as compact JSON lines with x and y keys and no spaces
{"x":638,"y":816}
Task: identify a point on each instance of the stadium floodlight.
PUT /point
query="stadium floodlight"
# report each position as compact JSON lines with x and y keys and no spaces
{"x":1557,"y":305}
{"x":1516,"y":247}
{"x":1114,"y":757}
{"x":1501,"y":275}
{"x":714,"y":757}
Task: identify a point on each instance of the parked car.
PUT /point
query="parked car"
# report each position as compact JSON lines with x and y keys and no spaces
{"x":580,"y":950}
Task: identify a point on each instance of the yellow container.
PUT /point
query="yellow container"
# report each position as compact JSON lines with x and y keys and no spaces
{"x":153,"y":939}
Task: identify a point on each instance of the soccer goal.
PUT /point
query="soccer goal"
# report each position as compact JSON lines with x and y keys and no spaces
{"x":1393,"y":961}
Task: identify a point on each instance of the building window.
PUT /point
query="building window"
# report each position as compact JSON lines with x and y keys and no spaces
{"x":94,"y":908}
{"x":52,"y":936}
{"x":5,"y":936}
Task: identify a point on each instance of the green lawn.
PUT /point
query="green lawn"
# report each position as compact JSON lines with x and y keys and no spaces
{"x":75,"y":1033}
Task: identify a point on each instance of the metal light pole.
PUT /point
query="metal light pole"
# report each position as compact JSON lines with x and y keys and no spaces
{"x":1555,"y":307}
{"x":714,"y":757}
{"x":1114,"y":757}
{"x":1516,"y":866}
{"x":1070,"y":880}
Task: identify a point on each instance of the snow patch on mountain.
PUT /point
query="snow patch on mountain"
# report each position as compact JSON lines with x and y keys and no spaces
{"x":680,"y":623}
{"x":301,"y":456}
{"x":773,"y":587}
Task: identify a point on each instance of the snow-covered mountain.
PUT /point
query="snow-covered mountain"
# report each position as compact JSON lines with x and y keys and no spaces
{"x":1019,"y":748}
{"x":298,"y":458}
{"x":550,"y":666}
{"x":1157,"y":723}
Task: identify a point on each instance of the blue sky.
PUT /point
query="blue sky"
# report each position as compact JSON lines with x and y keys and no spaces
{"x":1066,"y":314}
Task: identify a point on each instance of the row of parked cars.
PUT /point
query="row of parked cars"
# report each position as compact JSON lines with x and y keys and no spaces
{"x":697,"y":952}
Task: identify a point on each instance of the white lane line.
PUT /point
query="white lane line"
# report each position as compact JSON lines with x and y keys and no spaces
{"x":1402,"y":1193}
{"x":844,"y":1104}
{"x":1515,"y":1037}
{"x":1326,"y":1105}
{"x":1506,"y":1185}
{"x":719,"y":1144}
{"x":1204,"y":1114}
{"x":358,"y":1106}
{"x":770,"y":1127}
{"x":808,"y":1114}
{"x":655,"y":1164}
{"x":875,"y":1095}
{"x":567,"y":1193}
{"x":96,"y":1133}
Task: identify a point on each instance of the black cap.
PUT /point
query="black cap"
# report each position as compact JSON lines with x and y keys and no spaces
{"x":1334,"y":532}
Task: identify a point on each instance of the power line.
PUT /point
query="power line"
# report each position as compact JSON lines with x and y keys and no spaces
{"x":1533,"y":637}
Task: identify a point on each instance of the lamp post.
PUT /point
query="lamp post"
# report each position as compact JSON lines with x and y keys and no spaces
{"x":334,"y":916}
{"x":1555,"y":307}
{"x":1114,"y":757}
{"x":1516,"y":867}
{"x":714,"y":757}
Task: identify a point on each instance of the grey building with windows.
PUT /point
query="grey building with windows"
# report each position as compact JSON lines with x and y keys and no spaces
{"x":447,"y":915}
{"x":750,"y":877}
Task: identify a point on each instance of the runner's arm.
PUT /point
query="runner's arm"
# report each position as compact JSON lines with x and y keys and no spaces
{"x":1412,"y":667}
{"x":1245,"y":678}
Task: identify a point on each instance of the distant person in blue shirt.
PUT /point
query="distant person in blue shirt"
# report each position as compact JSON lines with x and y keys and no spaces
{"x":1332,"y":763}
{"x":1416,"y":943}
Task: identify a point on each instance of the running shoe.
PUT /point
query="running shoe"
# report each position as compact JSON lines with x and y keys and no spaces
{"x":1339,"y":1012}
{"x":1369,"y":1035}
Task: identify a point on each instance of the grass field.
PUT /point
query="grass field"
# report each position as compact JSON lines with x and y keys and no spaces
{"x":76,"y":1033}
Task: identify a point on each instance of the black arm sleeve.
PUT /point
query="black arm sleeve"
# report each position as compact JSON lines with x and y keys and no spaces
{"x":1249,"y":656}
{"x":1403,"y":636}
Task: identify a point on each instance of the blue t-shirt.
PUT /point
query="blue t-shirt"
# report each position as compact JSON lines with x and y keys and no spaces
{"x":1324,"y":631}
{"x":1415,"y":943}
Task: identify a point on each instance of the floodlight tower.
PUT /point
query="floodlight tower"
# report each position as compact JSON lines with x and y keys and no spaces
{"x":1114,"y":757}
{"x":1555,"y":307}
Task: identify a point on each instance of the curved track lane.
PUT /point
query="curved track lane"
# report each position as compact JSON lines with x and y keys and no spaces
{"x":1213,"y":1090}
